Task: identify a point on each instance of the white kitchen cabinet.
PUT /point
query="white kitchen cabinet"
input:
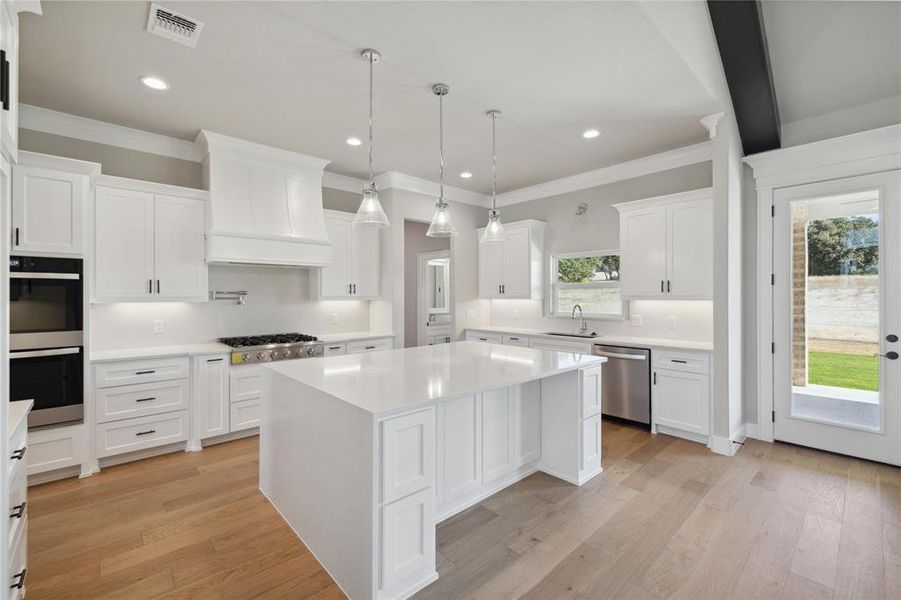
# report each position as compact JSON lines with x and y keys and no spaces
{"x":527,"y":423}
{"x":48,"y":204}
{"x":407,"y":543}
{"x":9,"y":109}
{"x":484,"y":336}
{"x":372,"y":345}
{"x":127,"y":401}
{"x":354,"y":272}
{"x":149,"y":246}
{"x":560,"y":345}
{"x":119,"y":437}
{"x":667,"y":246}
{"x":408,"y":454}
{"x":591,"y":445}
{"x":335,"y":349}
{"x":497,"y":434}
{"x":460,"y":449}
{"x":515,"y":340}
{"x":513,"y":269}
{"x":56,"y":448}
{"x":245,"y":390}
{"x":680,"y":392}
{"x":211,"y":398}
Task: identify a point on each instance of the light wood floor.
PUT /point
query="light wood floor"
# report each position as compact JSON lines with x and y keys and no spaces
{"x":667,"y":519}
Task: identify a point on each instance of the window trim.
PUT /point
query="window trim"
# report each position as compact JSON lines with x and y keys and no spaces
{"x":552,"y":310}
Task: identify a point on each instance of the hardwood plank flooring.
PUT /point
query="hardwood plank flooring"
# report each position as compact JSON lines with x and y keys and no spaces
{"x":666,"y":519}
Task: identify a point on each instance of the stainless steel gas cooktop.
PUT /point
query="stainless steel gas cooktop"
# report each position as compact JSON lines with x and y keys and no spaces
{"x":272,"y":347}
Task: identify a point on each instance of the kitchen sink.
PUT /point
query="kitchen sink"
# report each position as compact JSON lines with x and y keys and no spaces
{"x":577,"y":335}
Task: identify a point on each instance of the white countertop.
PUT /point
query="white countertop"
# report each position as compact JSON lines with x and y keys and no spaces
{"x":159,"y":351}
{"x":389,"y":380}
{"x":211,"y":347}
{"x":18,"y":410}
{"x":623,"y":340}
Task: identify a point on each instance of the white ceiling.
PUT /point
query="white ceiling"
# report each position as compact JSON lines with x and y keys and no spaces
{"x":828,"y":56}
{"x":288,"y":74}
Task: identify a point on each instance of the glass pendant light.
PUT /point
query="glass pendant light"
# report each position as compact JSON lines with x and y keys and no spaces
{"x":370,"y":213}
{"x":494,"y":231}
{"x":441,"y":225}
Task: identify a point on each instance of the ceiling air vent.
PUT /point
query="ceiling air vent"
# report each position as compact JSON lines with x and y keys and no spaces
{"x":173,"y":26}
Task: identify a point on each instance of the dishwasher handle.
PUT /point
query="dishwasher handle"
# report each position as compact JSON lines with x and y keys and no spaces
{"x":623,"y":356}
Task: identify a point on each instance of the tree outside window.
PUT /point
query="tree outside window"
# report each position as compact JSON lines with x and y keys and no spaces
{"x":589,"y":279}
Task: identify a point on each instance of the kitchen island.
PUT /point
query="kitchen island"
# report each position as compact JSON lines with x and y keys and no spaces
{"x":363,"y":454}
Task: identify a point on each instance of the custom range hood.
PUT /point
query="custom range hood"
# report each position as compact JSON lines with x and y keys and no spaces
{"x":265,"y":204}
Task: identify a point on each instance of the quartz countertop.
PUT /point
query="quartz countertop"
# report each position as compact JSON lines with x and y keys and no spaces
{"x":353,"y":336}
{"x":614,"y":339}
{"x":18,"y":410}
{"x":389,"y":380}
{"x":159,"y":352}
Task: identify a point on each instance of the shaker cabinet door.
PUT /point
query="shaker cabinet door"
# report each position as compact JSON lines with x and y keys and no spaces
{"x":124,"y":245}
{"x":179,"y":264}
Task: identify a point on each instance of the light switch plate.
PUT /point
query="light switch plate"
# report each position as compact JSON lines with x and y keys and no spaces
{"x":159,"y":326}
{"x":334,"y":318}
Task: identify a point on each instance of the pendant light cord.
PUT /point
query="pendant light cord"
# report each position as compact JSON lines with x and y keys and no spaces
{"x":371,"y":61}
{"x":493,"y":163}
{"x":441,"y":148}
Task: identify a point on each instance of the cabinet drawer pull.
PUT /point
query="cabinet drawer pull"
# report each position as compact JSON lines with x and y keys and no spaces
{"x":214,"y":360}
{"x":146,"y":399}
{"x":19,"y":454}
{"x":334,"y":347}
{"x":144,"y":372}
{"x":148,"y":432}
{"x":370,"y":348}
{"x":678,"y":360}
{"x":514,"y":339}
{"x":18,"y":511}
{"x":149,"y":286}
{"x":661,"y":286}
{"x":157,"y":286}
{"x":667,"y":286}
{"x":17,"y":236}
{"x":18,"y":580}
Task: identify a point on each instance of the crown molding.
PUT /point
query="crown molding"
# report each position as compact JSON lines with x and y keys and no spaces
{"x":777,"y":167}
{"x":346,"y":183}
{"x":402,"y":181}
{"x":671,"y":159}
{"x":54,"y":122}
{"x":689,"y":196}
{"x":210,"y":142}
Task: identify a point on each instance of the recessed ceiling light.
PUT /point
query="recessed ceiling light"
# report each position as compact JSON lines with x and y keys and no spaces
{"x":465,"y":174}
{"x":354,"y":141}
{"x":590,"y":133}
{"x":154,"y":83}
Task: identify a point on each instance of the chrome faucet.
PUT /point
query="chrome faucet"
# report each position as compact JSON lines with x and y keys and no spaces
{"x":583,"y":324}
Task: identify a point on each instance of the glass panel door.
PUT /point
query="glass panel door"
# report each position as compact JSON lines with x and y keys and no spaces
{"x":836,"y":267}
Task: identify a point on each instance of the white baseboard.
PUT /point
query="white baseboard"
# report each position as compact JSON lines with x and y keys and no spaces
{"x":228,"y":437}
{"x":751,"y":430}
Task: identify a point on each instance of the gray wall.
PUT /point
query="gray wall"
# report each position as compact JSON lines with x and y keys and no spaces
{"x":415,"y":241}
{"x":117,"y":161}
{"x":341,"y":200}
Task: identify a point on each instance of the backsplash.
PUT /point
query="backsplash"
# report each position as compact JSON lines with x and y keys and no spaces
{"x":278,"y":300}
{"x":689,"y":320}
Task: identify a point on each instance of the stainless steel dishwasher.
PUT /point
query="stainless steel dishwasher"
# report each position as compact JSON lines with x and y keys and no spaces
{"x":626,"y":388}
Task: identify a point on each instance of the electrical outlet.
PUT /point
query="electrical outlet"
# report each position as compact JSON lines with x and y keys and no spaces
{"x":671,"y":322}
{"x":636,"y":321}
{"x":334,"y":318}
{"x":159,"y":327}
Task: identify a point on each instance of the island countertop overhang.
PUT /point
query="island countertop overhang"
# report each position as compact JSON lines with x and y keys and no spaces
{"x":391,"y":380}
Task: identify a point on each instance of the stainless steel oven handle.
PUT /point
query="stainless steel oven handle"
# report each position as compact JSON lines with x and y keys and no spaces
{"x":27,"y":275}
{"x":37,"y":353}
{"x":623,"y":356}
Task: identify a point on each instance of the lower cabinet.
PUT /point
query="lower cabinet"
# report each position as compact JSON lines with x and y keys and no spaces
{"x":484,"y":336}
{"x":335,"y":349}
{"x":497,"y":434}
{"x":591,"y":445}
{"x":140,"y":433}
{"x":370,"y":345}
{"x":408,"y":542}
{"x":460,"y":439}
{"x":245,"y":396}
{"x":680,"y":392}
{"x":55,"y":448}
{"x":211,"y":399}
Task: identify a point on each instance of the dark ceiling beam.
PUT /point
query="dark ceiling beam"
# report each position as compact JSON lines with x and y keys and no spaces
{"x":738,"y":26}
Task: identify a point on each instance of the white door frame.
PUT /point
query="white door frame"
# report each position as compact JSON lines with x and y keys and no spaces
{"x":422,"y":259}
{"x":862,"y":153}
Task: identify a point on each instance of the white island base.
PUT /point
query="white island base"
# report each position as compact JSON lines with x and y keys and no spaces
{"x":363,"y":454}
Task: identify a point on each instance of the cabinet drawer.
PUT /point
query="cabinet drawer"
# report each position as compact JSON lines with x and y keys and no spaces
{"x":692,"y":362}
{"x":560,"y":346}
{"x":140,"y":371}
{"x":335,"y":349}
{"x":124,"y":402}
{"x":119,"y":437}
{"x":244,"y":414}
{"x":481,"y":336}
{"x":591,"y":445}
{"x":408,"y":542}
{"x":591,"y":391}
{"x":245,"y":383}
{"x":370,"y":345}
{"x":56,"y":448}
{"x":18,"y":557}
{"x":408,"y":454}
{"x":516,"y":340}
{"x":18,"y":451}
{"x":18,"y":505}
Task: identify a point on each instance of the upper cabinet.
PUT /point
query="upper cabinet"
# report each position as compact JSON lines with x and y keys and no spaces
{"x":48,"y":204}
{"x":513,"y":268}
{"x":149,"y":242}
{"x":354,"y":272}
{"x":667,"y":247}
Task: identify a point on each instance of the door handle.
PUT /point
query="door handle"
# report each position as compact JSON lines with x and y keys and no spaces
{"x":157,"y":286}
{"x":5,"y":93}
{"x":661,"y":286}
{"x":19,"y":454}
{"x":17,"y":236}
{"x":149,"y":286}
{"x":350,"y":288}
{"x":667,"y":286}
{"x":655,"y":377}
{"x":18,"y":511}
{"x":355,"y":288}
{"x":18,"y":580}
{"x":889,"y":355}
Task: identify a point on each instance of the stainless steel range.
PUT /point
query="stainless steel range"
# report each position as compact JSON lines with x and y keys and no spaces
{"x":272,"y":347}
